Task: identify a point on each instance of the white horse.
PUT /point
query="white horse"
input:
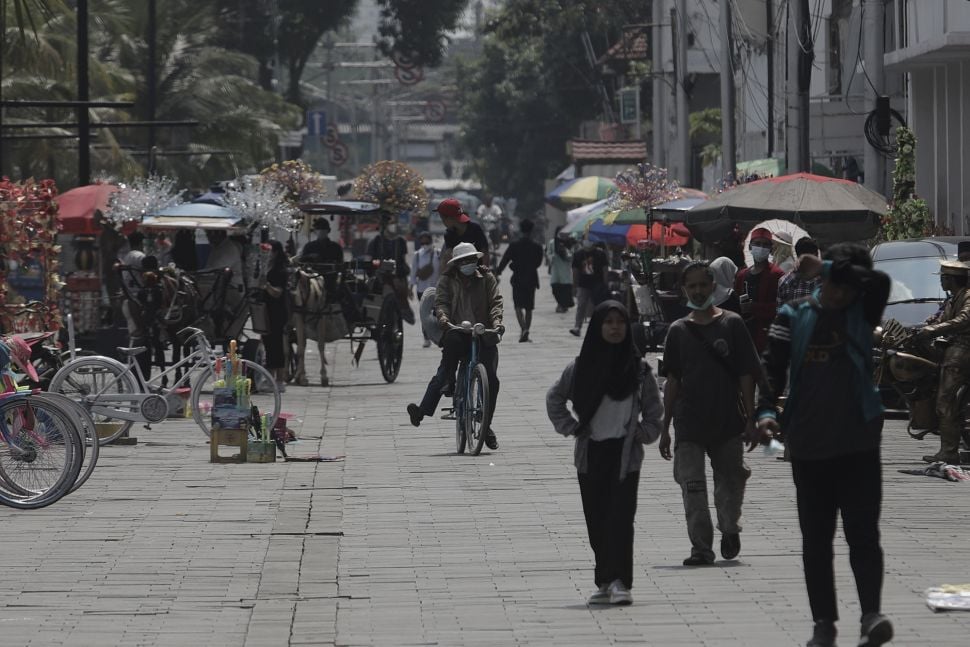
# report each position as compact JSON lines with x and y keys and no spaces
{"x":308,"y":297}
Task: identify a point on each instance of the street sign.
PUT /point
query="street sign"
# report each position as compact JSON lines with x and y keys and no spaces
{"x":316,"y":122}
{"x":435,"y":111}
{"x":629,"y":105}
{"x":339,"y":154}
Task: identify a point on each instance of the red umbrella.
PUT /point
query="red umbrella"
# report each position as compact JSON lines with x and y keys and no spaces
{"x":76,"y":208}
{"x":673,"y":235}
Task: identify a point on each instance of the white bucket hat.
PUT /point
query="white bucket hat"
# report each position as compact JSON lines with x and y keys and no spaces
{"x":463,"y":250}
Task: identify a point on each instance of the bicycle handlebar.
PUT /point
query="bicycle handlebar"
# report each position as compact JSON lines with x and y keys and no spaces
{"x":478,"y":329}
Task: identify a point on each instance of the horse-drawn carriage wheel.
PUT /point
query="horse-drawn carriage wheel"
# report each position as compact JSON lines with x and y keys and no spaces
{"x":389,"y":334}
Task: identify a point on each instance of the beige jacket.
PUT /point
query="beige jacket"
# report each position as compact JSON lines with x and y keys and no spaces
{"x":475,"y":299}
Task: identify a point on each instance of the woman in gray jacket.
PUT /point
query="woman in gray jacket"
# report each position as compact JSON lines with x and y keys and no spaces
{"x":618,"y":405}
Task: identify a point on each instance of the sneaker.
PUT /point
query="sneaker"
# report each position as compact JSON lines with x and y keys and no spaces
{"x":601,"y":596}
{"x":490,"y":440}
{"x":876,"y":630}
{"x":698,"y":560}
{"x":426,"y":344}
{"x":281,"y":387}
{"x":730,"y":545}
{"x":949,"y":460}
{"x":574,"y":332}
{"x":823,"y":634}
{"x":414,"y":411}
{"x":524,"y":336}
{"x":619,"y":594}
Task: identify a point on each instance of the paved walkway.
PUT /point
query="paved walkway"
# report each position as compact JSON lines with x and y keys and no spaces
{"x":406,"y":543}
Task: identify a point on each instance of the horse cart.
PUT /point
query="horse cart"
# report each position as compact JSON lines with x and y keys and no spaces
{"x":357,"y":300}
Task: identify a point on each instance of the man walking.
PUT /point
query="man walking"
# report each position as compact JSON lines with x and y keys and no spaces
{"x":589,"y":282}
{"x":832,"y":423}
{"x":711,"y":365}
{"x":459,"y":228}
{"x":757,"y":288}
{"x":525,"y":255}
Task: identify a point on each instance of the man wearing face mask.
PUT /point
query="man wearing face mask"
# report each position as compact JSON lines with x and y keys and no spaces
{"x":465,"y":292}
{"x":757,"y":287}
{"x":388,"y":244}
{"x":711,"y":364}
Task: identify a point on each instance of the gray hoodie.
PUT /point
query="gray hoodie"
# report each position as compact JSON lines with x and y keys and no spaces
{"x":642,"y":428}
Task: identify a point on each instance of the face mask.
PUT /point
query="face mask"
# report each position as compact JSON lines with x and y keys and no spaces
{"x":468,"y":269}
{"x":760,"y":254}
{"x":391,"y":229}
{"x":704,"y":306}
{"x":426,"y":247}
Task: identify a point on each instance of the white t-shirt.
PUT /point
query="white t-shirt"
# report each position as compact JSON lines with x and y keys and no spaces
{"x":489,"y":216}
{"x":610,"y":418}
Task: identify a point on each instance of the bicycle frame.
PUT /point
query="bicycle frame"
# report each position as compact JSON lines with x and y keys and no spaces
{"x":98,"y":401}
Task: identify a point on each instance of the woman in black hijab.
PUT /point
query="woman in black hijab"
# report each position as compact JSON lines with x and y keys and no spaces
{"x":618,"y":410}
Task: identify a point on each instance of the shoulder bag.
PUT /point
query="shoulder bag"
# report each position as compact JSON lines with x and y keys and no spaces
{"x":742,"y":410}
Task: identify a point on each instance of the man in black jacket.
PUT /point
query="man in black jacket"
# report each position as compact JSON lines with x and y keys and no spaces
{"x":525,"y":256}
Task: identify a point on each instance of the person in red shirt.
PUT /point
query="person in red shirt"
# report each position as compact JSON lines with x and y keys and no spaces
{"x":757,"y":287}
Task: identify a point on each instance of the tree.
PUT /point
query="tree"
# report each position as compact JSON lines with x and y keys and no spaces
{"x":532,"y":87}
{"x":705,"y":131}
{"x":416,"y":29}
{"x":909,"y":216}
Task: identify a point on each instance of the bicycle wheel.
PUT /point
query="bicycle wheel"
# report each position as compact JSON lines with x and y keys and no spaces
{"x":457,"y":410}
{"x":478,"y":414}
{"x":40,"y":452}
{"x":85,"y":378}
{"x":390,"y":339}
{"x":90,"y":447}
{"x":266,"y":397}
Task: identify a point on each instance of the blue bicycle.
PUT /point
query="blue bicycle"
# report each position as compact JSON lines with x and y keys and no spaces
{"x":472,"y":406}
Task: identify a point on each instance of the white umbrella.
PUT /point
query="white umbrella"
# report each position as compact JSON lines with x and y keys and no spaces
{"x":784,"y":235}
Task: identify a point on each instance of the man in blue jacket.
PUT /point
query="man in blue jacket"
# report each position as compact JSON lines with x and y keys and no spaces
{"x":832,"y":426}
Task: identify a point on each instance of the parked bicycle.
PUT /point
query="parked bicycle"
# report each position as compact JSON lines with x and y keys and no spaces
{"x":117,"y":395}
{"x":471,"y":401}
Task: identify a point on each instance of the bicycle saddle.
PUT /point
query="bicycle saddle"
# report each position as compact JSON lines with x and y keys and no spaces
{"x":133,"y":351}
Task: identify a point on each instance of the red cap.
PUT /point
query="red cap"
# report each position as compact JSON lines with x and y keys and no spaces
{"x":761,"y":234}
{"x":451,"y":208}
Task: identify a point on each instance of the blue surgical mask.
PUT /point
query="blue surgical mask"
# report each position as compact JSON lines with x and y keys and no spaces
{"x":760,"y":254}
{"x":704,"y":306}
{"x":468,"y":269}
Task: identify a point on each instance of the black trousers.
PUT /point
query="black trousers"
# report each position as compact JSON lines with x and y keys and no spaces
{"x":563,"y":292}
{"x":851,"y":485}
{"x":455,"y":346}
{"x":610,"y":506}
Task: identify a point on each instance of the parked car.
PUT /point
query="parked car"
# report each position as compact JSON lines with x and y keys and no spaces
{"x":913,"y":265}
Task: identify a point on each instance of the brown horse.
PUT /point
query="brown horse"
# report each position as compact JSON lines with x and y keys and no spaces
{"x":308,"y":301}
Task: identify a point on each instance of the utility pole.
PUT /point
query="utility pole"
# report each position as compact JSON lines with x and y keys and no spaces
{"x":83,"y":96}
{"x":770,"y":60}
{"x":874,"y":13}
{"x":728,"y":147}
{"x":657,"y":115}
{"x":801,"y":53}
{"x":152,"y":80}
{"x":682,"y":150}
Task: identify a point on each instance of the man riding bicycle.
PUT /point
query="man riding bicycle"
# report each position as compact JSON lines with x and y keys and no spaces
{"x":466,"y":292}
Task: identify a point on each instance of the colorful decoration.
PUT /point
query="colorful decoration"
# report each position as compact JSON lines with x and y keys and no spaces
{"x":395,"y":186}
{"x":643,"y":186}
{"x":261,"y":202}
{"x":144,"y":196}
{"x":28,"y":227}
{"x":301,"y":183}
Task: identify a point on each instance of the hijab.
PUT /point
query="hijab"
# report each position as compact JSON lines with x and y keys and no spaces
{"x":602,"y":368}
{"x":723,"y":269}
{"x":559,"y":246}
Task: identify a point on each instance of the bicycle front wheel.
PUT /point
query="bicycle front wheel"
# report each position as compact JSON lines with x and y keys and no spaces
{"x":40,"y":452}
{"x":458,"y":410}
{"x":478,"y":413}
{"x":265,"y":395}
{"x":87,"y":377}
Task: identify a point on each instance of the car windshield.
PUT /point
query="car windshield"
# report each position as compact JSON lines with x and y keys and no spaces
{"x":913,"y":278}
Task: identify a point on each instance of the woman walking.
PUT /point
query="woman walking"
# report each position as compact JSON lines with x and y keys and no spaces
{"x":277,"y":310}
{"x":560,"y":262}
{"x":616,"y":399}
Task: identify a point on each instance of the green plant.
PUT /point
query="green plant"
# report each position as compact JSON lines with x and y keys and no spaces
{"x":909,"y":216}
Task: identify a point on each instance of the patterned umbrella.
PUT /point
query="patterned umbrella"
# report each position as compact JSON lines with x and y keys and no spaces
{"x":582,"y":190}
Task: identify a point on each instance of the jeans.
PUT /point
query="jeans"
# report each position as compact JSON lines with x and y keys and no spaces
{"x":584,"y":306}
{"x":730,"y":475}
{"x":454,"y":348}
{"x":609,"y":506}
{"x":853,"y":485}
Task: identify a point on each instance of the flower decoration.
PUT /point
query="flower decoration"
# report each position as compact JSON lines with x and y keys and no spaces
{"x":395,"y":186}
{"x":145,"y":196}
{"x":642,"y":187}
{"x":261,"y":202}
{"x":28,"y":227}
{"x":300,"y":182}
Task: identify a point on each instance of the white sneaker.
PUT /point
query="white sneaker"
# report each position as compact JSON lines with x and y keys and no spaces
{"x":601,"y":596}
{"x":426,"y":344}
{"x":619,"y":594}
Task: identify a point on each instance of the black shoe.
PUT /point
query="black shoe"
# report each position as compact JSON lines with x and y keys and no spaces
{"x":490,"y":440}
{"x":414,"y":411}
{"x":697,"y":560}
{"x":823,"y":635}
{"x":524,"y":336}
{"x":949,"y":460}
{"x":448,"y":390}
{"x":730,"y":545}
{"x":574,"y":332}
{"x":876,"y":630}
